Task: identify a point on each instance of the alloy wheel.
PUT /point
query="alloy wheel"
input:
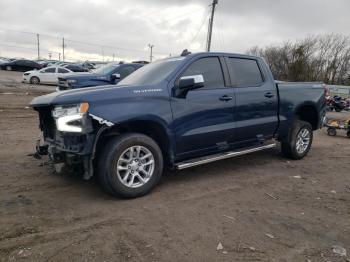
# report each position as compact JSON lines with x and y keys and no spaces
{"x":135,"y":166}
{"x":302,"y":141}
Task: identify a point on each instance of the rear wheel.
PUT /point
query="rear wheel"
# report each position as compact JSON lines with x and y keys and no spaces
{"x":130,"y":165}
{"x":348,"y":134}
{"x":9,"y":68}
{"x":299,"y":141}
{"x":331,"y":131}
{"x":34,"y":80}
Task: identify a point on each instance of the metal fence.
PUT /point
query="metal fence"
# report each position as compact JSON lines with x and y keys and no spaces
{"x":343,"y":91}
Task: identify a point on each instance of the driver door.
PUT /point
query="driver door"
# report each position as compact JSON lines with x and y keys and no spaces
{"x":203,"y":119}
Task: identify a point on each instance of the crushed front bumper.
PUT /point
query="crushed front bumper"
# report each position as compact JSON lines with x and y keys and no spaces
{"x":64,"y":149}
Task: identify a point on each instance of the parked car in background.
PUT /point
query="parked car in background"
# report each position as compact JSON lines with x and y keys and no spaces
{"x":3,"y":60}
{"x":106,"y":75}
{"x":88,"y":65}
{"x":47,"y":75}
{"x":178,"y":112}
{"x":20,"y":65}
{"x":75,"y":68}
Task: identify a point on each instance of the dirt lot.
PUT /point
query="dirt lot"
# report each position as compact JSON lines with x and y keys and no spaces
{"x":260,"y":207}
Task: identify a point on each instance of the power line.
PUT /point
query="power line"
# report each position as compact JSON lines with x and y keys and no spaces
{"x":86,"y":43}
{"x":28,"y":48}
{"x":219,"y":16}
{"x":204,"y":18}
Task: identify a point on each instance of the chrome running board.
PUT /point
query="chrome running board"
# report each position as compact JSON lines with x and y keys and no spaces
{"x":220,"y":156}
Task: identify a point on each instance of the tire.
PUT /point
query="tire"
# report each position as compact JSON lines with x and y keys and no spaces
{"x":290,"y":148}
{"x":338,"y":109}
{"x":331,"y":131}
{"x":348,"y":134}
{"x":34,"y":80}
{"x":116,"y":155}
{"x":8,"y":68}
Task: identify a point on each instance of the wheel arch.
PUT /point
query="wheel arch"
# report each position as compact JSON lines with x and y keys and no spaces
{"x":34,"y":76}
{"x":308,"y":112}
{"x":152,"y":128}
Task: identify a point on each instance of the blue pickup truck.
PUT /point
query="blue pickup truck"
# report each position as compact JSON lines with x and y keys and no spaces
{"x":178,"y":112}
{"x":109,"y":74}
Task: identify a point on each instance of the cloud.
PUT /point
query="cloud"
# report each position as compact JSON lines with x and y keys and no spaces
{"x":101,"y":28}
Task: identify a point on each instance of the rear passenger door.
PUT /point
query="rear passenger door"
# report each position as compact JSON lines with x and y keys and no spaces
{"x":256,"y":100}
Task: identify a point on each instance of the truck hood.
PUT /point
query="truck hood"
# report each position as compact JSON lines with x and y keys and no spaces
{"x":92,"y":95}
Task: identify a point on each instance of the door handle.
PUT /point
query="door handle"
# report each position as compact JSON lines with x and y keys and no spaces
{"x":269,"y":95}
{"x":226,"y":98}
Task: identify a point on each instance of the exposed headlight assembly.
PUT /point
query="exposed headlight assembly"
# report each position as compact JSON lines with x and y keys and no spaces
{"x":71,"y":81}
{"x":69,"y":117}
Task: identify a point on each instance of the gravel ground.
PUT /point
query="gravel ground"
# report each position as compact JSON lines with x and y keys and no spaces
{"x":260,"y":207}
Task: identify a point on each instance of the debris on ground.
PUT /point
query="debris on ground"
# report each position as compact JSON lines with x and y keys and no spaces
{"x":272,"y":196}
{"x":297,"y":176}
{"x":333,"y":191}
{"x":232,"y":218}
{"x":270,"y":236}
{"x":252,"y":248}
{"x":219,"y":247}
{"x":339,"y":250}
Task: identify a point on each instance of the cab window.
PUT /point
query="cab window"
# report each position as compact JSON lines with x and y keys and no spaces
{"x":244,"y":72}
{"x":49,"y":70}
{"x":210,"y":68}
{"x":62,"y":71}
{"x":125,"y":71}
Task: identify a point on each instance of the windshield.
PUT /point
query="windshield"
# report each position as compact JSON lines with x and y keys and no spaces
{"x":152,"y":73}
{"x":106,"y":69}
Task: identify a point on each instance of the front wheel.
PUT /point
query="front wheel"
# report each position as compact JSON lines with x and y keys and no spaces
{"x":299,"y":141}
{"x":130,"y":165}
{"x":34,"y":80}
{"x":8,"y":68}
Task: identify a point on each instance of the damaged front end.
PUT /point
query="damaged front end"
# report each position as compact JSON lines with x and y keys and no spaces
{"x":69,"y":136}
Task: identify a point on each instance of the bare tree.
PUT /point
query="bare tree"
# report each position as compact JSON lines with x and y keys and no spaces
{"x":316,"y":58}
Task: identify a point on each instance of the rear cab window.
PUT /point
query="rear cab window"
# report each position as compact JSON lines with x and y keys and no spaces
{"x":244,"y":72}
{"x":62,"y":71}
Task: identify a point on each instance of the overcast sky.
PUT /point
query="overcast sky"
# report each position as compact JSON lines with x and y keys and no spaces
{"x":97,"y":29}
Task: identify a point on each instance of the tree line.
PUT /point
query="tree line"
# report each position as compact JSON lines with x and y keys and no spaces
{"x":324,"y":58}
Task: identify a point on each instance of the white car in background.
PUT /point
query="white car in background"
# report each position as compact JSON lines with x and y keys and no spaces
{"x":47,"y":75}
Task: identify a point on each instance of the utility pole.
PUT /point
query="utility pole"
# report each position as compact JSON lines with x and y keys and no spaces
{"x":38,"y":41}
{"x":211,"y":20}
{"x":151,"y":54}
{"x":59,"y":56}
{"x":63,"y":45}
{"x":50,"y":55}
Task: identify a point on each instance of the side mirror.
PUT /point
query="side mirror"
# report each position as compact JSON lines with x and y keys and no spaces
{"x":187,"y":83}
{"x":115,"y":76}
